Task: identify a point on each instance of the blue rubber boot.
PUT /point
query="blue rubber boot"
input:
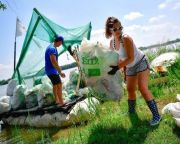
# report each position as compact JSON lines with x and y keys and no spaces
{"x":156,"y":117}
{"x":131,"y":105}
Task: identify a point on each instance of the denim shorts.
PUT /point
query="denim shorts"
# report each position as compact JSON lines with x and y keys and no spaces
{"x":140,"y":66}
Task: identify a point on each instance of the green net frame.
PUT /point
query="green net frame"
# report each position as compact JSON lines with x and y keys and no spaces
{"x":41,"y":32}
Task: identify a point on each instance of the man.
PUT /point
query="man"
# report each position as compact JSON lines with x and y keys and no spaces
{"x":53,"y":70}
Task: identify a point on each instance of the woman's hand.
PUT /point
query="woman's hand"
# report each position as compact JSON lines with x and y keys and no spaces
{"x":113,"y":70}
{"x":120,"y":64}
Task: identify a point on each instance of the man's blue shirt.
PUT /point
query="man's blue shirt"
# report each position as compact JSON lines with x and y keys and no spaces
{"x":49,"y":69}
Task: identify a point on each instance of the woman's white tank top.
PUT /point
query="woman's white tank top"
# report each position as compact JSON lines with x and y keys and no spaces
{"x":138,"y":54}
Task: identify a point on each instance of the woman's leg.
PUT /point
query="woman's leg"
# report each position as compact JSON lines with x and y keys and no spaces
{"x":131,"y":88}
{"x":143,"y":78}
{"x":143,"y":87}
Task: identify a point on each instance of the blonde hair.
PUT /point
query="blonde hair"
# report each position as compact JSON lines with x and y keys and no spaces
{"x":109,"y":24}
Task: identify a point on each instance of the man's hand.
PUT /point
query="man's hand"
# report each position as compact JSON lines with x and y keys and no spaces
{"x":62,"y":75}
{"x":113,"y":70}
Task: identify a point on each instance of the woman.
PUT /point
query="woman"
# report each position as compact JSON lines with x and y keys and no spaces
{"x":137,"y":67}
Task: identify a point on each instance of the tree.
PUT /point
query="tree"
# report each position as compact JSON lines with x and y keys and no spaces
{"x":3,"y":82}
{"x":2,"y":6}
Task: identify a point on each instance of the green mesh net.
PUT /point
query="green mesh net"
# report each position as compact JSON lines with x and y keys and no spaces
{"x":41,"y":32}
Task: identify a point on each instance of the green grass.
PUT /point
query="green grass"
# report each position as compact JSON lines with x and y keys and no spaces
{"x":28,"y":135}
{"x":113,"y":125}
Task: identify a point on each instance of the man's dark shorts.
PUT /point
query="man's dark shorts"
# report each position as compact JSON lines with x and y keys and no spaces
{"x":55,"y":79}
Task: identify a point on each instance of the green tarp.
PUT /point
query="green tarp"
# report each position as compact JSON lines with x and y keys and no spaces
{"x":41,"y":32}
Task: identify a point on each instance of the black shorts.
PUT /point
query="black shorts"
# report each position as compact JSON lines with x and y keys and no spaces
{"x":55,"y":79}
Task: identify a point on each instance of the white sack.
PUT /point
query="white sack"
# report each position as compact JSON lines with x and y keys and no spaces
{"x":5,"y":99}
{"x":4,"y":107}
{"x":95,"y":60}
{"x":178,"y":97}
{"x":4,"y":104}
{"x":10,"y":87}
{"x":83,"y":110}
{"x":18,"y":98}
{"x":45,"y":95}
{"x":174,"y":109}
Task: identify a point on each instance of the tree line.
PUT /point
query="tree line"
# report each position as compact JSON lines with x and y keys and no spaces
{"x":3,"y":82}
{"x":2,"y":6}
{"x":162,"y":44}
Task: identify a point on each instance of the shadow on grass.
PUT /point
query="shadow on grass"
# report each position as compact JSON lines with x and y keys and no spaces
{"x":118,"y":135}
{"x":176,"y":131}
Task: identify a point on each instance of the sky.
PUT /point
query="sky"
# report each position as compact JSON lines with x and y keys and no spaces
{"x":147,"y":22}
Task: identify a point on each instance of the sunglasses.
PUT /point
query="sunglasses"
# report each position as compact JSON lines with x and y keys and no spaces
{"x":116,"y":29}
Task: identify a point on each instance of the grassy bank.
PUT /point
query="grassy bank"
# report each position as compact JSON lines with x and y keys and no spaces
{"x":113,"y":125}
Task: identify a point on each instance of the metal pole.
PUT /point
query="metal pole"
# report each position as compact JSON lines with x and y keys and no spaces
{"x":15,"y":47}
{"x":15,"y":54}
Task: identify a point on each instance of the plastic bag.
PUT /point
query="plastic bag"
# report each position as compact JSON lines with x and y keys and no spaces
{"x":95,"y":60}
{"x":18,"y":98}
{"x":11,"y":86}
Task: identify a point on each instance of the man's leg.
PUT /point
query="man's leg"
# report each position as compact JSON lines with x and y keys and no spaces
{"x":55,"y":93}
{"x":59,"y":94}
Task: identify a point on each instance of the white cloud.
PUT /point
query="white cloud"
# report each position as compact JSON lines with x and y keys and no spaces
{"x":162,"y":5}
{"x":144,"y":35}
{"x":176,"y":6}
{"x":156,"y":18}
{"x":133,"y":16}
{"x":99,"y":35}
{"x":5,"y":71}
{"x":170,"y":4}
